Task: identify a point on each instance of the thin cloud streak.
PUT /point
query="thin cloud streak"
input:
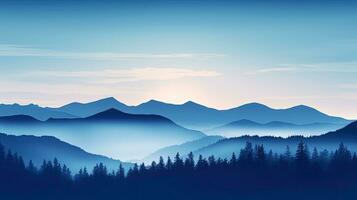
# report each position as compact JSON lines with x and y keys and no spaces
{"x":342,"y":67}
{"x":28,"y":51}
{"x":129,"y":75}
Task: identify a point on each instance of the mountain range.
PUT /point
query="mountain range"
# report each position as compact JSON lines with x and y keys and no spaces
{"x":274,"y":128}
{"x":330,"y":141}
{"x":47,"y":148}
{"x":224,"y":147}
{"x":33,"y":110}
{"x":112,"y":132}
{"x":190,"y":114}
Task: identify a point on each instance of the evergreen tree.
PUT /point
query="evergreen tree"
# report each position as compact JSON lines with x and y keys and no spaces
{"x":211,"y":161}
{"x":161,"y":164}
{"x":246,"y":155}
{"x":260,"y":154}
{"x":120,"y":174}
{"x":302,"y":156}
{"x":178,"y":163}
{"x":169,"y":164}
{"x":189,"y":162}
{"x":2,"y":154}
{"x":233,"y":160}
{"x":31,"y":168}
{"x":287,"y":154}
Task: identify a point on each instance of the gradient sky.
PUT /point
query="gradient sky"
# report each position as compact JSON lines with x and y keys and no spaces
{"x":218,"y":53}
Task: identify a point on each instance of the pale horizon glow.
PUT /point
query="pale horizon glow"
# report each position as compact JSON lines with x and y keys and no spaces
{"x":220,"y":54}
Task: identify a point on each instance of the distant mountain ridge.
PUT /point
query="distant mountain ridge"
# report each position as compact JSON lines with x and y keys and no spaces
{"x":195,"y":116}
{"x":330,"y":141}
{"x":33,"y":110}
{"x":273,"y":128}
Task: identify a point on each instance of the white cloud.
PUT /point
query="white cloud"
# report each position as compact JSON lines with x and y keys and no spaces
{"x":129,"y":75}
{"x":336,"y":67}
{"x":28,"y":51}
{"x":277,"y":69}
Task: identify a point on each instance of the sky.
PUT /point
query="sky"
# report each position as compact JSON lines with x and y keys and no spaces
{"x":218,"y":53}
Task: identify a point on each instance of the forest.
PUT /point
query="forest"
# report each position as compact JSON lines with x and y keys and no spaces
{"x":253,"y":174}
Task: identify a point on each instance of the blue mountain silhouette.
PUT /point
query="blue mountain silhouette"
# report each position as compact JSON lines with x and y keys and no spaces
{"x":330,"y":141}
{"x":196,"y":116}
{"x":190,"y":114}
{"x":111,"y":132}
{"x":42,"y":148}
{"x":35,"y":111}
{"x":88,"y":109}
{"x":277,"y":128}
{"x":19,"y":119}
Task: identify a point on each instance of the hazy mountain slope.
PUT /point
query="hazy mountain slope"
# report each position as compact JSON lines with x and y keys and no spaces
{"x":35,"y":111}
{"x":183,"y":149}
{"x":190,"y":114}
{"x":330,"y":141}
{"x":274,"y":128}
{"x":296,"y":115}
{"x":196,"y":116}
{"x":88,"y":109}
{"x":111,"y":133}
{"x":42,"y":148}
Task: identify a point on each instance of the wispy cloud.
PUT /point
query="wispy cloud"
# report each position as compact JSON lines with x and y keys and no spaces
{"x":337,"y":67}
{"x":28,"y":51}
{"x":129,"y":75}
{"x":277,"y":69}
{"x":348,"y":86}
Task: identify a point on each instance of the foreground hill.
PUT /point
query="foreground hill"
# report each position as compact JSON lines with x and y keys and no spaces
{"x":183,"y":149}
{"x":274,"y":128}
{"x":329,"y":141}
{"x":42,"y":148}
{"x":112,"y":133}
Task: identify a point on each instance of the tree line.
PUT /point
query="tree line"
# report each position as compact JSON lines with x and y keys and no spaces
{"x":253,"y":174}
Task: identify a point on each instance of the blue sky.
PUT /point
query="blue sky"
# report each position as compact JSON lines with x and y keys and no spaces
{"x":218,"y":53}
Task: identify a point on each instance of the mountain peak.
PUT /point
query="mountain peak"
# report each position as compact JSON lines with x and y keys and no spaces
{"x":109,"y":100}
{"x":17,"y":118}
{"x":111,"y":113}
{"x":302,"y":107}
{"x":191,"y":103}
{"x":254,"y":106}
{"x":153,"y":101}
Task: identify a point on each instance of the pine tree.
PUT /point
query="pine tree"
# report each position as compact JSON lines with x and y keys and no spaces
{"x":302,"y":156}
{"x":178,"y":163}
{"x":143,"y":170}
{"x":211,"y":161}
{"x":260,"y":154}
{"x":246,"y":155}
{"x":2,"y":154}
{"x":66,"y":173}
{"x":169,"y":164}
{"x":233,"y":160}
{"x":120,"y":174}
{"x":31,"y":168}
{"x":287,"y":154}
{"x":315,"y":155}
{"x":161,"y":164}
{"x":189,"y":162}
